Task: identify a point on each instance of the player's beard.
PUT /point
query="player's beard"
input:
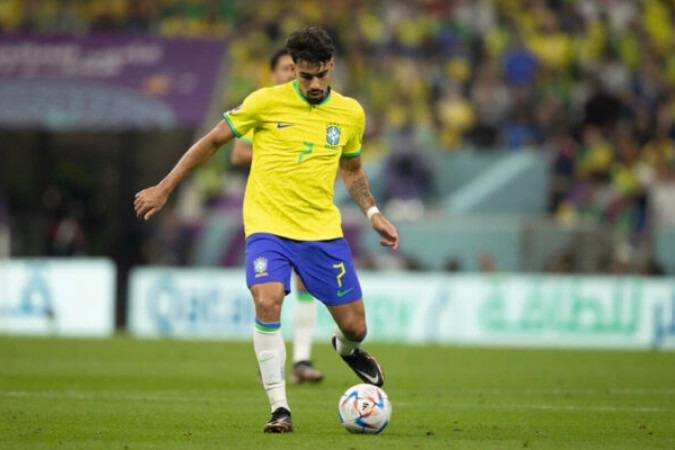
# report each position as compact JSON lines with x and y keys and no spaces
{"x":315,"y":96}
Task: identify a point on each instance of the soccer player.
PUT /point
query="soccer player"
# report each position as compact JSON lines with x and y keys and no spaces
{"x":304,"y":315}
{"x":304,"y":133}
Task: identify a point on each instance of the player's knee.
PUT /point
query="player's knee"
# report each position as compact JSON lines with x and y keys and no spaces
{"x":267,"y":307}
{"x":354,"y":330}
{"x":268,"y":312}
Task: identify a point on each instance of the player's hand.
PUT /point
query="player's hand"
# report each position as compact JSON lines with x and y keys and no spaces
{"x":149,"y":201}
{"x":386,"y":230}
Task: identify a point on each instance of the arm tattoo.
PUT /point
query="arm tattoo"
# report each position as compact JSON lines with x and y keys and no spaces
{"x":359,"y":189}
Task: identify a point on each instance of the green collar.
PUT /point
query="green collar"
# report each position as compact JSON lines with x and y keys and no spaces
{"x":324,"y":101}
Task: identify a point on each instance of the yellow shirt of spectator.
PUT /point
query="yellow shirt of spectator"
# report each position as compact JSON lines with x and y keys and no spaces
{"x":297,"y":147}
{"x":555,"y":50}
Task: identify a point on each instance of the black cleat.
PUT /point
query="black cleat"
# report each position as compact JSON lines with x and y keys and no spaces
{"x":280,"y":422}
{"x":363,"y":365}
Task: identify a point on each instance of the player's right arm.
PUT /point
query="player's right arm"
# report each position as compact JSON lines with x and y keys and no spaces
{"x":242,"y":153}
{"x":358,"y":186}
{"x":151,"y":200}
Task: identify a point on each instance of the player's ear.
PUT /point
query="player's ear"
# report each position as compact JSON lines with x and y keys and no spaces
{"x":331,"y":64}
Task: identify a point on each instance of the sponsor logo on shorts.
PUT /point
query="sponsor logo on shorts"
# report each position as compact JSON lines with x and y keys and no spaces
{"x":260,"y":267}
{"x":343,"y":292}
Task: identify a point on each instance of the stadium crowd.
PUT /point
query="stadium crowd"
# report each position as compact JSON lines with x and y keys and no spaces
{"x":589,"y":82}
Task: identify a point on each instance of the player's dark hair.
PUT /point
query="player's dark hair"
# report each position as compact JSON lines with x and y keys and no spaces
{"x":310,"y":44}
{"x":274,"y":60}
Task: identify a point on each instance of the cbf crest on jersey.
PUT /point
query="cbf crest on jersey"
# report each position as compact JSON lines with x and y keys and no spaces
{"x":333,"y":133}
{"x":260,"y":266}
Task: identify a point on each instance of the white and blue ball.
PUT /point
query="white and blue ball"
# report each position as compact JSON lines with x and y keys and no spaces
{"x":364,"y":408}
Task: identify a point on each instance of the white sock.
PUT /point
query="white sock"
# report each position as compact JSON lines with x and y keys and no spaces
{"x":271,"y":353}
{"x":304,"y":318}
{"x":344,"y":346}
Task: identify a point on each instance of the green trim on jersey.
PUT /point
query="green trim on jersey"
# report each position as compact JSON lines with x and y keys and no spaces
{"x":297,"y":90}
{"x":246,"y":140}
{"x":234,"y":130}
{"x":352,"y":155}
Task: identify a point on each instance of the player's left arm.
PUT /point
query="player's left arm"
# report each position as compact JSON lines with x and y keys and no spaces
{"x":242,"y":154}
{"x":356,"y":181}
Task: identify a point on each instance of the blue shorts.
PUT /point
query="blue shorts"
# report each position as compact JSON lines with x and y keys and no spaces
{"x":325,"y":267}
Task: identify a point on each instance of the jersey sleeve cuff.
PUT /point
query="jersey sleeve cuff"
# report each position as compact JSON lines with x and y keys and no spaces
{"x":231,"y":125}
{"x":352,"y":155}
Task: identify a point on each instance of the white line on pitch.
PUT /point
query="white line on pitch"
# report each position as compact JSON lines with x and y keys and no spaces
{"x":106,"y":395}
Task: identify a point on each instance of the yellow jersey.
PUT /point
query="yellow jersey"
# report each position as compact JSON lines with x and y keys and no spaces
{"x":297,"y":147}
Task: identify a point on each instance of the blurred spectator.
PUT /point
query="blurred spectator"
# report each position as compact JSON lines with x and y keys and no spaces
{"x":491,"y":102}
{"x":602,"y":108}
{"x":455,"y":115}
{"x":487,"y":262}
{"x":142,"y":16}
{"x":594,"y":161}
{"x":169,"y":242}
{"x":518,"y":131}
{"x":562,"y":151}
{"x":630,"y":180}
{"x":551,"y":46}
{"x":652,"y":268}
{"x":659,"y":155}
{"x":519,"y":63}
{"x":563,"y":263}
{"x":659,"y":151}
{"x":620,"y":262}
{"x":408,"y":179}
{"x":452,"y":265}
{"x":67,"y":236}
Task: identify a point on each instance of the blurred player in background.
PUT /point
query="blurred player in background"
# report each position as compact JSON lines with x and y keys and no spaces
{"x":304,"y":315}
{"x":304,"y":133}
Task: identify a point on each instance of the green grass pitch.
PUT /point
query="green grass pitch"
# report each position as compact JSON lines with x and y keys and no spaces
{"x":132,"y":394}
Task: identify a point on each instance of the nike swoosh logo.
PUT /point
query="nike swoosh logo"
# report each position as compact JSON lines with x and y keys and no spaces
{"x":372,"y":380}
{"x":345,"y":292}
{"x":284,"y":125}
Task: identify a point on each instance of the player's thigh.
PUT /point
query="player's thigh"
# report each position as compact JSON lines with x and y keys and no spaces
{"x":327,"y":271}
{"x":267,"y":261}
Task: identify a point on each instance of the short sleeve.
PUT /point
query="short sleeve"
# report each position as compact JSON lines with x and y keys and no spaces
{"x":244,"y":118}
{"x":247,"y":138}
{"x":353,"y":146}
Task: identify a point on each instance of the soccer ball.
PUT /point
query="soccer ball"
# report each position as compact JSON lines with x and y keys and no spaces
{"x":364,"y":408}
